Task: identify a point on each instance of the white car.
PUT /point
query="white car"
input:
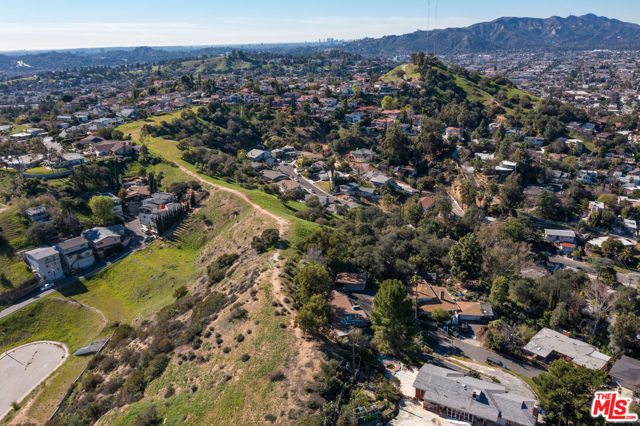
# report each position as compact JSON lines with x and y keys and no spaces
{"x":46,"y":286}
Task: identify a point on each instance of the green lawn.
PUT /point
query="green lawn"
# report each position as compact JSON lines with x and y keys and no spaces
{"x":168,"y":150}
{"x":52,"y":319}
{"x":142,"y":283}
{"x":170,"y":172}
{"x":139,"y":284}
{"x":44,"y":171}
{"x":12,"y":240}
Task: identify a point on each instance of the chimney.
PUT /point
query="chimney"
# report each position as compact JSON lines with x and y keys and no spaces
{"x":441,"y":294}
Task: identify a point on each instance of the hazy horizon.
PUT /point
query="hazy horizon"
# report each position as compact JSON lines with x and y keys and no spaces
{"x":42,"y":25}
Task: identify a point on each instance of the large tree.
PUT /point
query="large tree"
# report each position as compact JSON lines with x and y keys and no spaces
{"x":311,"y":280}
{"x":511,"y":192}
{"x":566,"y":392}
{"x":313,"y":317}
{"x":102,"y":208}
{"x":392,"y":317}
{"x":466,"y":258}
{"x":624,"y":334}
{"x":394,"y":145}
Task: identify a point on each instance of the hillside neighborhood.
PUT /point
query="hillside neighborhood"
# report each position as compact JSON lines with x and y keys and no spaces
{"x":363,"y":240}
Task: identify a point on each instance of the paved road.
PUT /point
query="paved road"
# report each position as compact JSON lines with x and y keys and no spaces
{"x":26,"y":366}
{"x":567,"y":261}
{"x":629,"y":279}
{"x":291,"y":170}
{"x":480,"y":354}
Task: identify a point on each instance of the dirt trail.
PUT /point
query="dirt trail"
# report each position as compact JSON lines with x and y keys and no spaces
{"x":105,"y":320}
{"x":283,"y":224}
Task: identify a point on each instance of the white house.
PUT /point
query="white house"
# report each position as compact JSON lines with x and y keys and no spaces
{"x":37,"y":214}
{"x":45,"y":263}
{"x":258,"y":155}
{"x":76,"y":253}
{"x":560,"y":235}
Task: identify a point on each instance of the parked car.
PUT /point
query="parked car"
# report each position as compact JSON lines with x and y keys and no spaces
{"x":46,"y":286}
{"x":494,"y":361}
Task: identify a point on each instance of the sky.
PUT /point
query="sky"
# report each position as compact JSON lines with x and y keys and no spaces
{"x":60,"y":24}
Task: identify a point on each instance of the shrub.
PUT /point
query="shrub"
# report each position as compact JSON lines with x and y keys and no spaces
{"x":156,"y":366}
{"x":226,"y":349}
{"x":108,"y":364}
{"x":111,"y":386}
{"x":91,"y":381}
{"x":239,"y":338}
{"x":245,"y":357}
{"x":276,"y":376}
{"x":123,"y":332}
{"x":209,"y":306}
{"x":148,"y":417}
{"x":180,"y":292}
{"x":270,"y":418}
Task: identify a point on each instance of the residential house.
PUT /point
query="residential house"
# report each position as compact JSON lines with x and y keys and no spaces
{"x":430,"y":297}
{"x":348,"y":314}
{"x":506,"y":167}
{"x":45,"y":263}
{"x":576,"y":145}
{"x":289,"y":185}
{"x":625,"y":373}
{"x":104,"y":240}
{"x":156,"y":202}
{"x":427,"y":202}
{"x":630,"y":226}
{"x":105,"y":148}
{"x":476,"y":402}
{"x":37,"y":214}
{"x":535,"y":140}
{"x":68,"y":159}
{"x":560,"y":235}
{"x":363,"y":155}
{"x":453,"y":131}
{"x":351,"y":281}
{"x":273,"y":175}
{"x":548,"y":345}
{"x":588,"y":177}
{"x":258,"y":155}
{"x":597,"y":242}
{"x":76,"y":253}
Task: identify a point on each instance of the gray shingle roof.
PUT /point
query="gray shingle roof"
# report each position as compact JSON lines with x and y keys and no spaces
{"x":626,"y":370}
{"x":547,"y":341}
{"x":482,"y":399}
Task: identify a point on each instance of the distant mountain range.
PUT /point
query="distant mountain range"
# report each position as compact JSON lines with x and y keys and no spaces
{"x":22,"y":63}
{"x":504,"y":34}
{"x":509,"y":34}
